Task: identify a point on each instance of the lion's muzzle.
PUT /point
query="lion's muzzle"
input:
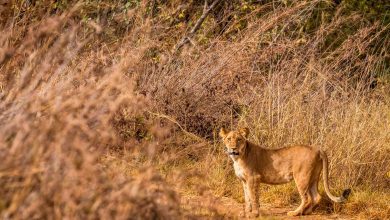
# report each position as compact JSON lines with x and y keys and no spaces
{"x":232,"y":152}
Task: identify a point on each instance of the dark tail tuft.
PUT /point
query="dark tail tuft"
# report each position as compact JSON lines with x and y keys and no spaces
{"x":346,"y":193}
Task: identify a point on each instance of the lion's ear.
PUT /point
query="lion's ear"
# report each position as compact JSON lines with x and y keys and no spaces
{"x":222,"y":133}
{"x":244,"y":132}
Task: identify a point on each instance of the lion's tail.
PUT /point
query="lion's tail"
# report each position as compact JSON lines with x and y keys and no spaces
{"x":346,"y":192}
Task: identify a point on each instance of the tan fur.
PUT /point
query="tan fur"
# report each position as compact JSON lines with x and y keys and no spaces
{"x":254,"y":165}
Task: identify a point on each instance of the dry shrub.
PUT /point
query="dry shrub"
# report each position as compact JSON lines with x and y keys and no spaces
{"x":67,"y":97}
{"x":57,"y":106}
{"x":289,"y":87}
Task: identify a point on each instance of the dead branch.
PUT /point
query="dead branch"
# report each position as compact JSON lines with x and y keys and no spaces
{"x":186,"y":39}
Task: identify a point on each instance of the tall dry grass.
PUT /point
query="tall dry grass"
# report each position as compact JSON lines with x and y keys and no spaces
{"x":87,"y":105}
{"x":62,"y":106}
{"x":323,"y":87}
{"x":289,"y":87}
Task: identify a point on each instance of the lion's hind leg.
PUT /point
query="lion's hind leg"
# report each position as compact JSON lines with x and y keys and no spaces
{"x":313,"y":189}
{"x":314,"y":198}
{"x":303,"y":185}
{"x":306,"y":201}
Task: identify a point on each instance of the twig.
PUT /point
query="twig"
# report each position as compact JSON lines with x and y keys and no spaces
{"x":158,"y":115}
{"x":152,"y":8}
{"x":206,"y":11}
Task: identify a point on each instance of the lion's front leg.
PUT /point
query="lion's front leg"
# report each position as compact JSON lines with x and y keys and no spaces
{"x":253,"y":194}
{"x":247,"y":209}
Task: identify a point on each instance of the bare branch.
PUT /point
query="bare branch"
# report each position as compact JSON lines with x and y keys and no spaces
{"x":206,"y":12}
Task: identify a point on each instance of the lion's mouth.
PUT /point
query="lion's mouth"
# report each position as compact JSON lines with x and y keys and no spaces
{"x":234,"y":153}
{"x":231,"y":152}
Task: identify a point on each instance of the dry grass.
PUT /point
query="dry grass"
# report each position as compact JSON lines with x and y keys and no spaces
{"x":59,"y":110}
{"x":99,"y":119}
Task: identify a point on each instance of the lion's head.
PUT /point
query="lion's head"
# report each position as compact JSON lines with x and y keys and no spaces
{"x":234,"y":141}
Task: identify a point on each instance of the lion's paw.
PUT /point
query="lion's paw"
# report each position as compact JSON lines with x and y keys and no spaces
{"x":254,"y":214}
{"x":292,"y":213}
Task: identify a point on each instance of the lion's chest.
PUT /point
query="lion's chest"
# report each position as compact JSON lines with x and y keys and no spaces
{"x":239,"y":171}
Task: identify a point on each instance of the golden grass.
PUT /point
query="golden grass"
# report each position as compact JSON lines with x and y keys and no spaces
{"x":99,"y":119}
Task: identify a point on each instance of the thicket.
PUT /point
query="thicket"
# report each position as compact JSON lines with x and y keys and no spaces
{"x":81,"y":79}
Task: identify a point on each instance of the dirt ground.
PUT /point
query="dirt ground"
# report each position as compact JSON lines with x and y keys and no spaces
{"x":227,"y":208}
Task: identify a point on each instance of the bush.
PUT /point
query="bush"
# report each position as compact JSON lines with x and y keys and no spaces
{"x":57,"y":110}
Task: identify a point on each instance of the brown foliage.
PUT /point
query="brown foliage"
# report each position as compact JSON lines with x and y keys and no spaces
{"x":57,"y":122}
{"x":80,"y":81}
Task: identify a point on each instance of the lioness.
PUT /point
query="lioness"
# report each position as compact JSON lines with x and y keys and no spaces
{"x":254,"y":165}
